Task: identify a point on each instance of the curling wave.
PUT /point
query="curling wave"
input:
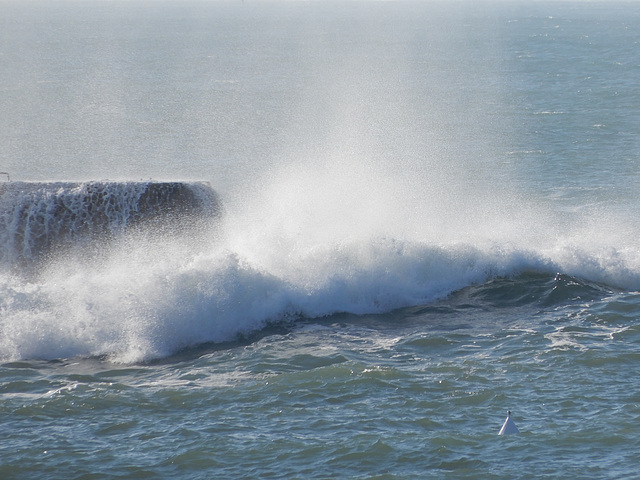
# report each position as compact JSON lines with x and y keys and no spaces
{"x":148,"y":296}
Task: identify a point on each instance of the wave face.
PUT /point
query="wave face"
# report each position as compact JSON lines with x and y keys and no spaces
{"x":133,"y":271}
{"x":152,"y":295}
{"x":37,"y":218}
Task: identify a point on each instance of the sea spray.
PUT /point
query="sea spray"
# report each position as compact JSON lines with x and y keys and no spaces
{"x":285,"y":255}
{"x":359,"y":175}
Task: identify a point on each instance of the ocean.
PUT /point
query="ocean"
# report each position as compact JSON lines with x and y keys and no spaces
{"x":319,"y":239}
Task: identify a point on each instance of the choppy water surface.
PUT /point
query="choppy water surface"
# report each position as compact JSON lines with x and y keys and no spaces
{"x":429,"y":216}
{"x":419,"y":393}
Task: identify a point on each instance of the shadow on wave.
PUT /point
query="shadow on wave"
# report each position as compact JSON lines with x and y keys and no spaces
{"x":536,"y":289}
{"x":530,"y":289}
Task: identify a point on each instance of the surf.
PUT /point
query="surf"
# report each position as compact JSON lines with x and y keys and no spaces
{"x":133,"y":271}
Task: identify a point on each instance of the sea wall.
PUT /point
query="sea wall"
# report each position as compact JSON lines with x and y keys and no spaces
{"x":39,"y":218}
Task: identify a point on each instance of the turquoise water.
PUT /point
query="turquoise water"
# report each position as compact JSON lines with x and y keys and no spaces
{"x":430,"y":218}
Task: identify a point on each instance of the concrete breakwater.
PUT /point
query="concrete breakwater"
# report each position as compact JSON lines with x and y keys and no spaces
{"x":38,"y":218}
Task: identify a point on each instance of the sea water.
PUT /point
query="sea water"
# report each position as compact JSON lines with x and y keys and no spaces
{"x":430,"y":217}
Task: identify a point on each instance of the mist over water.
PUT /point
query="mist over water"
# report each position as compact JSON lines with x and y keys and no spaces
{"x":363,"y":166}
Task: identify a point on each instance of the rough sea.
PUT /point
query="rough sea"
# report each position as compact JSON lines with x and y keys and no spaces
{"x":422,"y":214}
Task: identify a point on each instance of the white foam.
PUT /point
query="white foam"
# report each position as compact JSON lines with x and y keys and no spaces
{"x":340,"y":235}
{"x":274,"y":260}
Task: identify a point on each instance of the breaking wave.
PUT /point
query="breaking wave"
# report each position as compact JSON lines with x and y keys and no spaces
{"x":158,"y":288}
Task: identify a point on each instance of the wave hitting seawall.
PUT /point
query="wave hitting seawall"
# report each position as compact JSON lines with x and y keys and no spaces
{"x":39,"y":218}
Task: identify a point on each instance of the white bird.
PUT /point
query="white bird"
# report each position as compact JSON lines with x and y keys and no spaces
{"x":508,"y":426}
